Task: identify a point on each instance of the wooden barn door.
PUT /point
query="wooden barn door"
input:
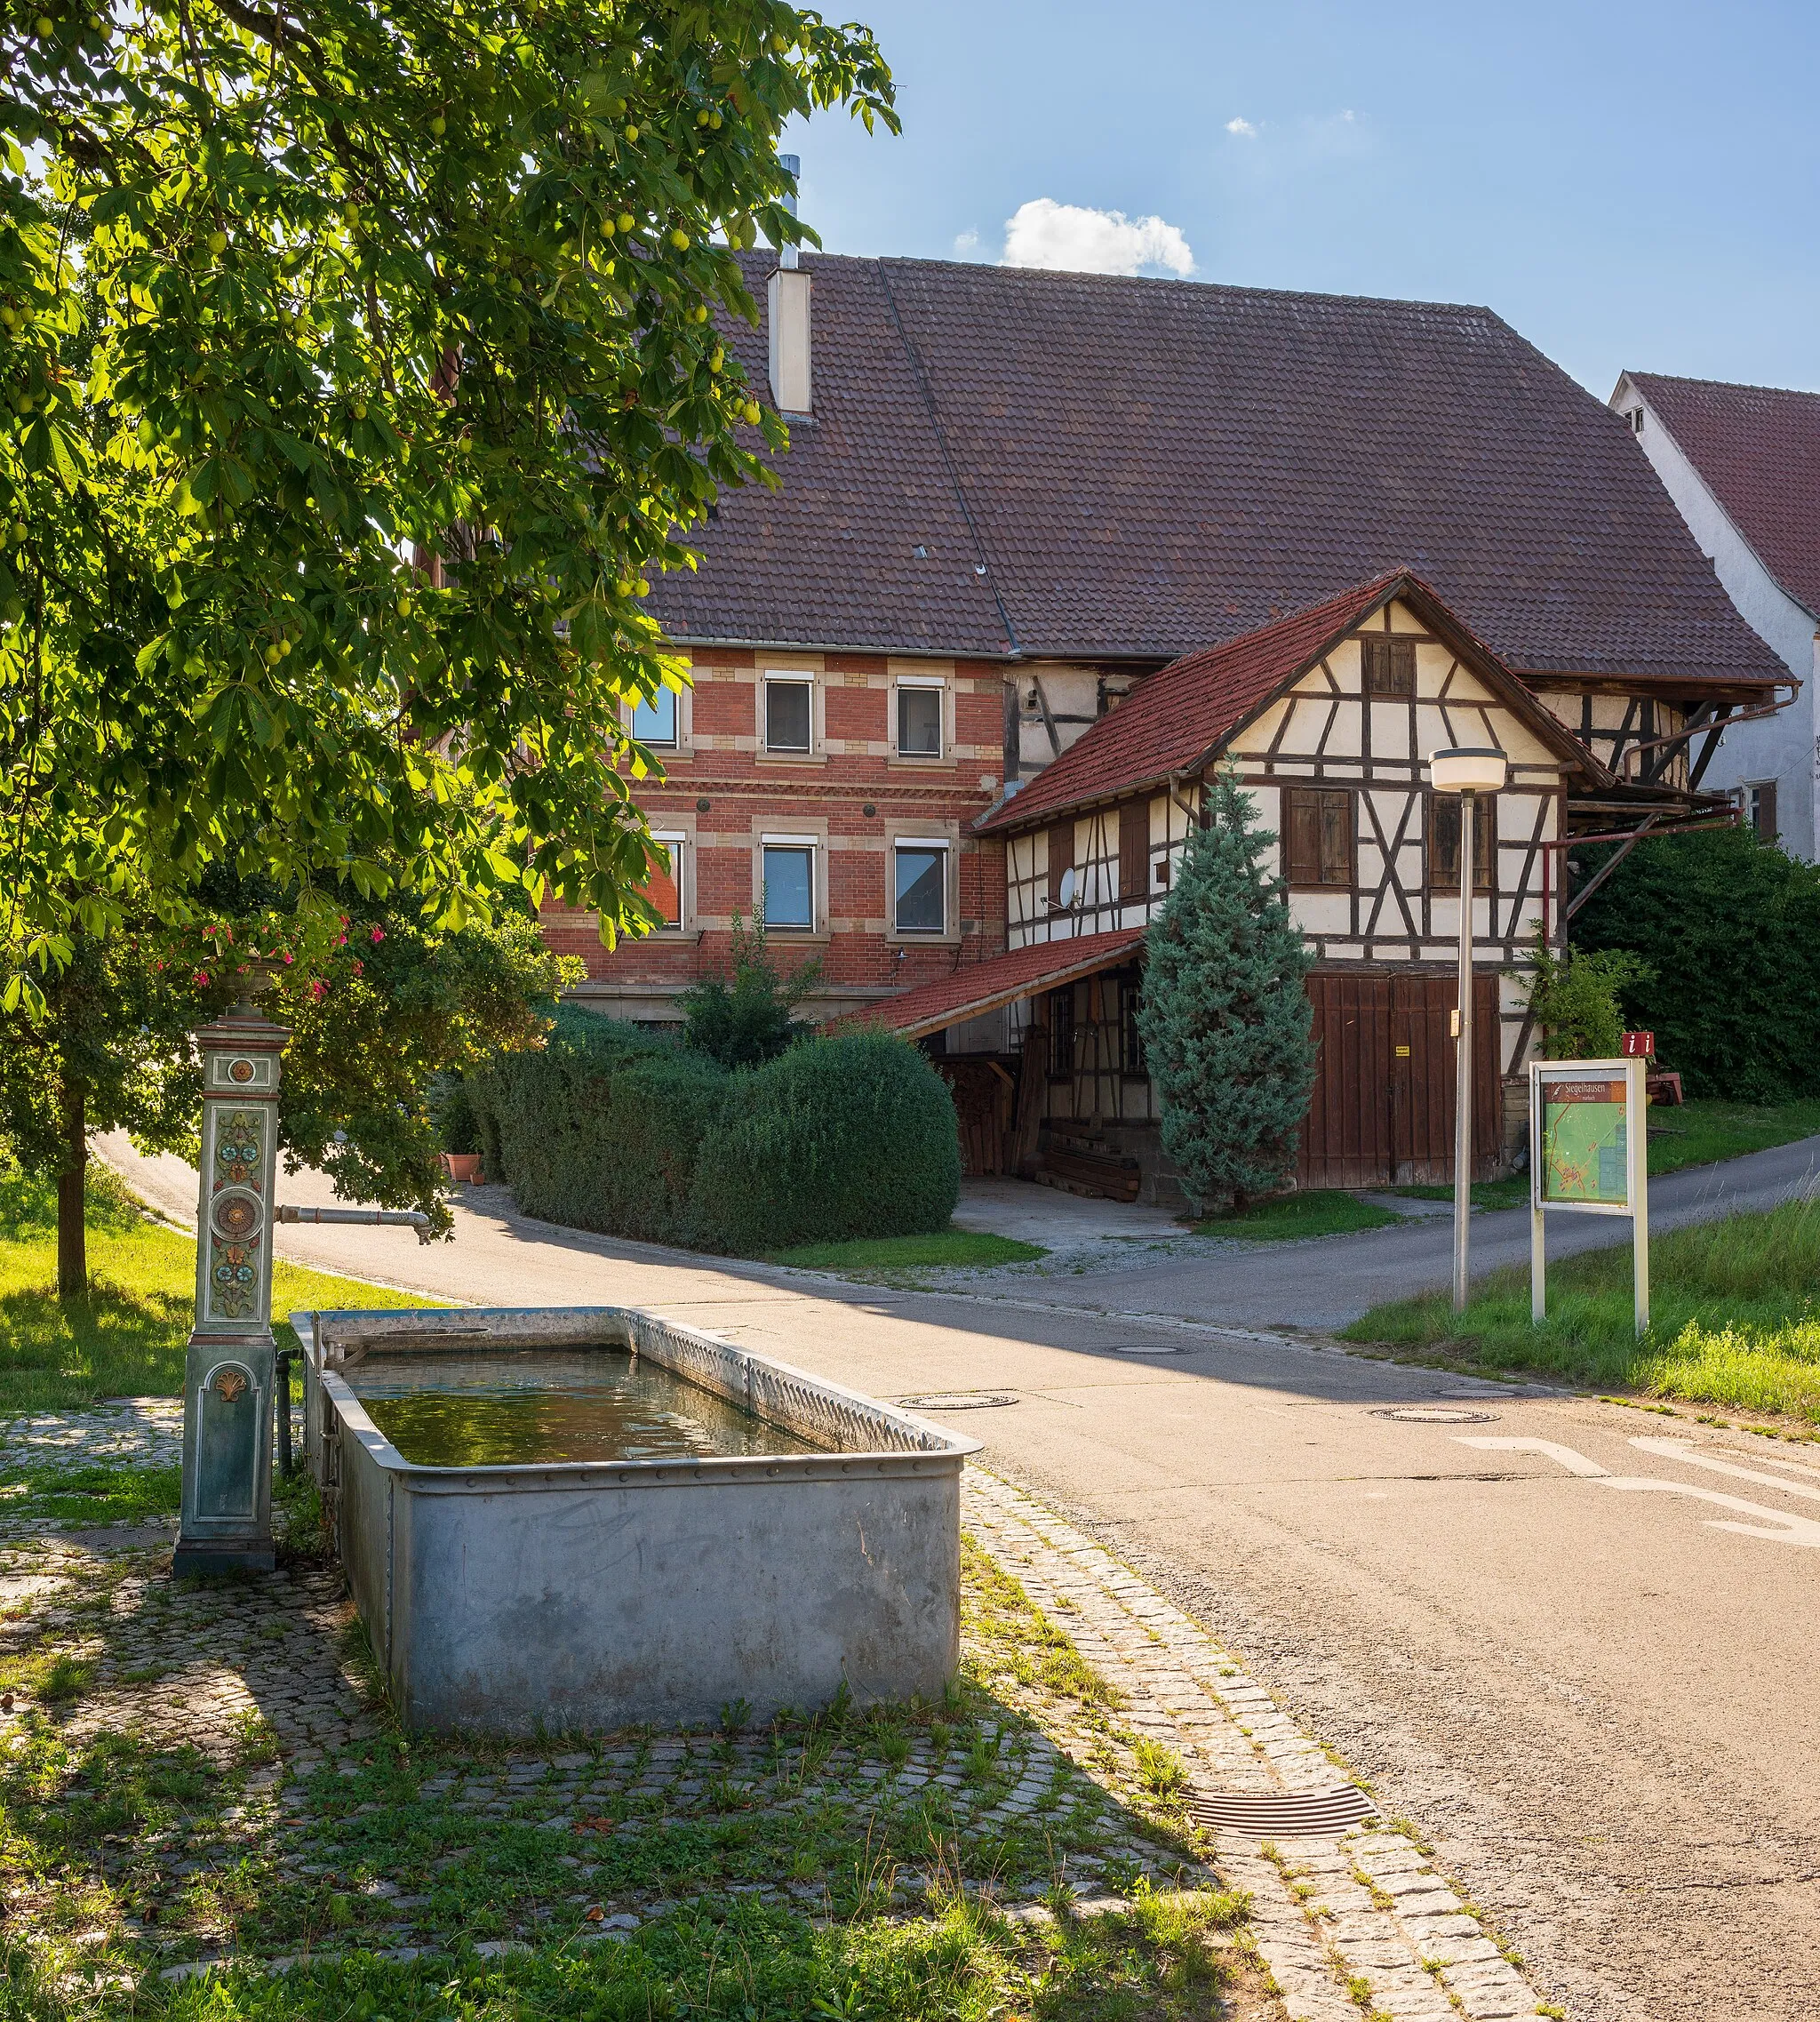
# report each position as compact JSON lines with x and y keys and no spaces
{"x":1346,"y":1140}
{"x":1383,"y":1107}
{"x":1422,"y":1079}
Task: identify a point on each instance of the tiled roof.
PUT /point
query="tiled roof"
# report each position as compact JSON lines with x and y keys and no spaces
{"x":1171,"y":722}
{"x":1758,"y":447}
{"x":983,"y":985}
{"x":1145,"y":467}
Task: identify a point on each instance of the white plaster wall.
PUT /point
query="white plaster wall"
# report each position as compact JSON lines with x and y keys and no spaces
{"x":1780,"y":748}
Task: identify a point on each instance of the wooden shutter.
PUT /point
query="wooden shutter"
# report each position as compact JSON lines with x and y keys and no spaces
{"x":1444,"y":842}
{"x":1134,"y":851}
{"x":1765,"y":824}
{"x":1061,"y":857}
{"x":1390,"y":665}
{"x":1336,"y":838}
{"x":1301,"y":835}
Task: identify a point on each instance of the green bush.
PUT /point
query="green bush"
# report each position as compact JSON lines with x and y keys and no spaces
{"x":1730,"y":929}
{"x":1574,"y":996}
{"x":625,"y":1132}
{"x":839,"y":1138}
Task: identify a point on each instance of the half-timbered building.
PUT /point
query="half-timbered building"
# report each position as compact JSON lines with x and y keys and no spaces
{"x":1029,"y":521}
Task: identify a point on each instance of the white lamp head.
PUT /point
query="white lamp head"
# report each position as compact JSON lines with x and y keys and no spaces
{"x":1467,"y":770}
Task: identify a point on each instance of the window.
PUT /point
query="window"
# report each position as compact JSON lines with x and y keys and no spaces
{"x":1318,"y":835}
{"x":789,"y":883}
{"x":1760,"y":811}
{"x":922,"y":893}
{"x":664,"y":886}
{"x":1132,"y":1060}
{"x":654,"y":721}
{"x":1444,"y":842}
{"x":1061,"y":1033}
{"x":919,"y":719}
{"x":1634,"y":416}
{"x":1390,"y":665}
{"x":789,"y":714}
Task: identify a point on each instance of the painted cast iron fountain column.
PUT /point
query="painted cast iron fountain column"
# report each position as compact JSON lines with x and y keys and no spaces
{"x":230,"y":1371}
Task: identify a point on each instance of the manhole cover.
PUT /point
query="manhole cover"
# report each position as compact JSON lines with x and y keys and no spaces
{"x":1437,"y":1415}
{"x":1292,"y":1813}
{"x":1142,"y":1348}
{"x":958,"y":1400}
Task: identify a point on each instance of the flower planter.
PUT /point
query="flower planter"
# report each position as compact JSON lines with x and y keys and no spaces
{"x":463,"y":1167}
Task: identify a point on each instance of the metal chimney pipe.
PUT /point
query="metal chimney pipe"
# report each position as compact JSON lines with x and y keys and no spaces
{"x":792,"y":167}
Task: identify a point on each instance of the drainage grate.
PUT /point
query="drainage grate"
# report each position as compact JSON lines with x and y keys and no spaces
{"x":958,"y":1400}
{"x":1295,"y":1814}
{"x":1437,"y":1415}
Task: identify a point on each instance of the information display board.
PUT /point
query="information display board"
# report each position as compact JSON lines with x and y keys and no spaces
{"x":1585,"y":1143}
{"x":1589,"y":1155}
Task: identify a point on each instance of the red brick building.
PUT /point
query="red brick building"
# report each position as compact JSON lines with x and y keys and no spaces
{"x":1009,"y":497}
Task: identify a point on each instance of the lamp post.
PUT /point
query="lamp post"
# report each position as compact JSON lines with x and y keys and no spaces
{"x":1468,"y":772}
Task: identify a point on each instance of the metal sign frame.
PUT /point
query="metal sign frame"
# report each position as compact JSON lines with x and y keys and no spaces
{"x":1635,"y":1075}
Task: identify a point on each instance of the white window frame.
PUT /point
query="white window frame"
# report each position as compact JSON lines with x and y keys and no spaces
{"x":943,"y":739}
{"x":780,"y":676}
{"x":675,"y":840}
{"x":946,"y":844}
{"x":813,"y":846}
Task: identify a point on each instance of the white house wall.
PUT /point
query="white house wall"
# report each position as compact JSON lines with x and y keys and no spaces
{"x":1780,"y":748}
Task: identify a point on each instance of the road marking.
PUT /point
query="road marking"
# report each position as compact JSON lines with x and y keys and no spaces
{"x":1770,"y":1460}
{"x":1769,"y":1523}
{"x":1685,"y":1450}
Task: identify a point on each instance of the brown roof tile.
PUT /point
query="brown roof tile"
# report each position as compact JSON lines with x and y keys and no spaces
{"x":1173,"y":722}
{"x":1149,"y":467}
{"x":1758,"y":447}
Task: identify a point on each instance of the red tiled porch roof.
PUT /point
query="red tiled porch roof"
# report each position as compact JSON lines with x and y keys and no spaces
{"x":984,"y":986}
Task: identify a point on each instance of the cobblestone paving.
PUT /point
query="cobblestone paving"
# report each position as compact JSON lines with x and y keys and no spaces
{"x":1358,"y":1920}
{"x":258,"y":1682}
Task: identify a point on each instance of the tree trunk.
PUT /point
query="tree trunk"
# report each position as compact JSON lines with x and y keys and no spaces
{"x":72,"y":1229}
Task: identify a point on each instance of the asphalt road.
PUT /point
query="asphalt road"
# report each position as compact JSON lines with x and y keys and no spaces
{"x":1327,"y":1284}
{"x":1568,"y":1640}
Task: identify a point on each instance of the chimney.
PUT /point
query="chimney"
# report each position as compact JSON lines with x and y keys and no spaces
{"x":788,"y":305}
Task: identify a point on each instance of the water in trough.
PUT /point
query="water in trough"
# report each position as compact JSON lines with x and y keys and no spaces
{"x":526,"y":1407}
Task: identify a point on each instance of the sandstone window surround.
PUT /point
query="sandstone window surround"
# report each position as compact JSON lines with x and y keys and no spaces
{"x":668,"y":888}
{"x":789,"y":715}
{"x":791,"y":883}
{"x":922,"y":730}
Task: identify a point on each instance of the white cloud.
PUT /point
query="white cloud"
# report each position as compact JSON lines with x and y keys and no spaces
{"x":967,"y":243}
{"x":1243,"y":128}
{"x":1078,"y":240}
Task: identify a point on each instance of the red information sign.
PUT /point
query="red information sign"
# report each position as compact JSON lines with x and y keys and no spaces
{"x":1639,"y":1046}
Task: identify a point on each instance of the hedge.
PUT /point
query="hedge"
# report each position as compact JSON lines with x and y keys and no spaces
{"x":1731,"y":928}
{"x":625,"y":1132}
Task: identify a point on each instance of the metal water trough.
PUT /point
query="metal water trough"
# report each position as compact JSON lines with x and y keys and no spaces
{"x":600,"y":1594}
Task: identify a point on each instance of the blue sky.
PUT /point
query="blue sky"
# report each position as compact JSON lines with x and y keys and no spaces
{"x":1629,"y":185}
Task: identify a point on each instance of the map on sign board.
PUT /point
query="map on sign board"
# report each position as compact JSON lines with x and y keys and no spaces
{"x":1583,"y":1142}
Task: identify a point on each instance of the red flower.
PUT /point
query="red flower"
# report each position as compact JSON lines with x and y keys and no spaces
{"x":378,"y":935}
{"x":202,"y":977}
{"x":289,"y":957}
{"x":319,"y":990}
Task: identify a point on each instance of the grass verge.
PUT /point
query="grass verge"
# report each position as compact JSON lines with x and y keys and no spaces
{"x":127,"y":1338}
{"x":851,"y":1864}
{"x":953,"y":1249}
{"x":1321,"y":1212}
{"x":1732,"y":1310}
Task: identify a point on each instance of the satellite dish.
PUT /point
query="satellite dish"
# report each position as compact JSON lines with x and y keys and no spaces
{"x":1069,"y":886}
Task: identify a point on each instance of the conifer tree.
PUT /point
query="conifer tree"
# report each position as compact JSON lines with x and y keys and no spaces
{"x":1226,"y":1023}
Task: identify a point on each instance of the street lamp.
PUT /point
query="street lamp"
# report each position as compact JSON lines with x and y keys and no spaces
{"x":1468,"y":772}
